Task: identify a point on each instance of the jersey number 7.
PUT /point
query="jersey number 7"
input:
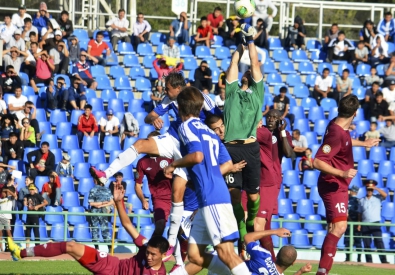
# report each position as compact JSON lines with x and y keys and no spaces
{"x":213,"y":146}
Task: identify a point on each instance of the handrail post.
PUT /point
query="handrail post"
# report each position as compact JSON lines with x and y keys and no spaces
{"x":66,"y":215}
{"x":351,"y":239}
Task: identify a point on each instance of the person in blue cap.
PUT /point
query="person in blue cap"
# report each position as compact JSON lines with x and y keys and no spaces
{"x":109,"y":126}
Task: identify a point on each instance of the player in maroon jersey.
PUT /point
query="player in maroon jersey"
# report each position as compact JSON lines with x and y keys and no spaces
{"x":148,"y":260}
{"x":335,"y":161}
{"x":159,"y":186}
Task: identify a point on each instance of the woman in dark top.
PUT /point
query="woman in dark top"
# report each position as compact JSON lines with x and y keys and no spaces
{"x":8,"y":125}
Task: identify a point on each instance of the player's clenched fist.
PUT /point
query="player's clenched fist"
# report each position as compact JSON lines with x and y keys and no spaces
{"x":349,"y":173}
{"x":168,"y":171}
{"x":157,"y":123}
{"x":282,"y":232}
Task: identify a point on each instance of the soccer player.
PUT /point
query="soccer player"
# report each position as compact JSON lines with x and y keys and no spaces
{"x":242,"y":113}
{"x":214,"y":222}
{"x":148,"y":260}
{"x":159,"y":186}
{"x":335,"y":161}
{"x":166,"y":145}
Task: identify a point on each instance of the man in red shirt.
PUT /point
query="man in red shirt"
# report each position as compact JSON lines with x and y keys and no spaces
{"x":148,"y":260}
{"x":51,"y":190}
{"x":96,"y":48}
{"x":87,"y":124}
{"x":216,"y":20}
{"x":159,"y":186}
{"x":204,"y":33}
{"x":335,"y":161}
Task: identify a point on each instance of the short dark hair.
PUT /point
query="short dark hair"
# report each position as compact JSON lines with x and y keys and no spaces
{"x":348,"y":105}
{"x":217,"y":9}
{"x":44,"y":143}
{"x":159,"y":242}
{"x":121,"y":10}
{"x":153,"y":134}
{"x":326,"y":69}
{"x":373,"y":123}
{"x":33,"y":43}
{"x":283,"y":89}
{"x":296,"y":131}
{"x":335,"y":24}
{"x":140,"y":13}
{"x":376,"y":83}
{"x":60,"y":78}
{"x":190,"y":101}
{"x":118,"y":174}
{"x":203,"y":18}
{"x":212,"y":118}
{"x":13,"y":134}
{"x":175,"y":80}
{"x":362,"y":42}
{"x":17,"y":87}
{"x":32,"y":34}
{"x":100,"y":33}
{"x":309,"y":149}
{"x":30,"y":178}
{"x":28,"y":103}
{"x":286,"y":256}
{"x":387,"y":13}
{"x":8,"y":15}
{"x":346,"y":71}
{"x":88,"y":106}
{"x":341,"y":32}
{"x":260,"y":20}
{"x":27,"y":19}
{"x":379,"y":94}
{"x":64,"y":12}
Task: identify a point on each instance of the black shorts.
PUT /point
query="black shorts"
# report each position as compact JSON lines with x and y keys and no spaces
{"x":38,"y":80}
{"x":88,"y":81}
{"x":249,"y":178}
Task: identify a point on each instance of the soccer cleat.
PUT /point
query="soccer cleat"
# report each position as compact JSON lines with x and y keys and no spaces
{"x":98,"y":175}
{"x":247,"y":29}
{"x":15,"y":249}
{"x":169,"y":253}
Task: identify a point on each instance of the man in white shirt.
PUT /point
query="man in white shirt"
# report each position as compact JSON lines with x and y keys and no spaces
{"x":17,"y":41}
{"x":27,"y":29}
{"x":262,"y":12}
{"x":109,"y":126}
{"x":220,"y":99}
{"x":323,"y":86}
{"x":18,"y":18}
{"x":388,"y":132}
{"x":141,"y":31}
{"x":17,"y":101}
{"x":299,"y":142}
{"x":7,"y":30}
{"x":119,"y":27}
{"x":389,"y":92}
{"x":171,"y":50}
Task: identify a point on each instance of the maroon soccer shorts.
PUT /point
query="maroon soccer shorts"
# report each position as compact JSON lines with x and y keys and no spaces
{"x":268,"y":205}
{"x":336,"y":206}
{"x":99,"y":263}
{"x":162,"y":209}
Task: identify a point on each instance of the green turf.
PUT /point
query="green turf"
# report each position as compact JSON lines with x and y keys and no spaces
{"x":71,"y":267}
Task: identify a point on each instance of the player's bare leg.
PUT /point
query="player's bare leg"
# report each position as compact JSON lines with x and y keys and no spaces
{"x":159,"y":227}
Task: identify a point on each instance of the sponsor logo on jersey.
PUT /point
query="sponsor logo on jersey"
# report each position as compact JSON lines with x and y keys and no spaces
{"x":274,"y":139}
{"x":326,"y":149}
{"x":163,"y":164}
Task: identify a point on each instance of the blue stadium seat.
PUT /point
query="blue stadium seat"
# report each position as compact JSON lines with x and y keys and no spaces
{"x":97,"y":104}
{"x":143,"y":220}
{"x":126,"y":48}
{"x":312,"y":227}
{"x":222,"y":53}
{"x":321,"y":209}
{"x":153,"y":75}
{"x":286,"y":164}
{"x":190,"y":63}
{"x":365,"y":166}
{"x":143,"y":84}
{"x":81,"y":34}
{"x":310,"y":80}
{"x":81,"y":232}
{"x":116,"y":104}
{"x":320,"y":126}
{"x":302,"y":125}
{"x":119,"y":115}
{"x":57,"y":232}
{"x":103,"y":82}
{"x":268,"y":67}
{"x":392,"y":154}
{"x":185,"y":51}
{"x":125,"y":95}
{"x":343,"y":66}
{"x":19,"y":232}
{"x":25,"y":79}
{"x":377,"y":154}
{"x":212,"y":63}
{"x":308,"y":102}
{"x":116,"y":71}
{"x":102,"y":166}
{"x":358,"y":153}
{"x":131,"y":60}
{"x":140,"y":116}
{"x":67,"y":184}
{"x":281,"y":194}
{"x":291,"y":225}
{"x":76,"y":219}
{"x":157,"y":38}
{"x":293,"y":80}
{"x":107,"y":94}
{"x":306,"y":68}
{"x":111,"y":143}
{"x":147,"y":231}
{"x":57,"y":153}
{"x":297,"y":111}
{"x":314,"y":195}
{"x":57,"y":116}
{"x":52,"y":219}
{"x":316,"y":113}
{"x":291,"y":177}
{"x":90,"y":143}
{"x":299,"y":56}
{"x":318,"y":238}
{"x":123,"y":235}
{"x":360,"y":116}
{"x":27,"y":90}
{"x":224,"y":64}
{"x":310,"y":178}
{"x":40,"y":181}
{"x":85,"y":185}
{"x":145,"y":49}
{"x":70,"y":199}
{"x":145,"y":130}
{"x":391,"y":182}
{"x":137,"y":71}
{"x":359,"y":92}
{"x":63,"y":129}
{"x":377,"y":177}
{"x":135,"y":201}
{"x":90,"y":94}
{"x":311,"y":137}
{"x":129,"y":142}
{"x":284,"y":207}
{"x":304,"y":207}
{"x":280,"y":55}
{"x":388,"y":210}
{"x":27,"y":150}
{"x":299,"y":239}
{"x":215,"y":75}
{"x":356,"y":180}
{"x":129,"y":188}
{"x":332,"y":113}
{"x":313,"y":45}
{"x":380,"y":70}
{"x":363,"y":69}
{"x":328,"y":103}
{"x":274,"y":79}
{"x":76,"y":156}
{"x":274,"y":43}
{"x":318,"y":56}
{"x":75,"y":115}
{"x":297,"y":192}
{"x":287,"y":67}
{"x":69,"y":142}
{"x":202,"y":52}
{"x":51,"y":139}
{"x":98,"y":70}
{"x":114,"y":154}
{"x":218,"y":41}
{"x":96,"y":156}
{"x":324,"y":65}
{"x":41,"y":115}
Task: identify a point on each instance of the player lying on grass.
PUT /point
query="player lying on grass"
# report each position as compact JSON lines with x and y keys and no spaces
{"x":148,"y":260}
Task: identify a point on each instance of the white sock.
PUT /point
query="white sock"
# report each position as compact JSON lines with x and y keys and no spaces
{"x":241,"y":269}
{"x":217,"y":266}
{"x":177,"y":253}
{"x":124,"y":159}
{"x":175,"y":220}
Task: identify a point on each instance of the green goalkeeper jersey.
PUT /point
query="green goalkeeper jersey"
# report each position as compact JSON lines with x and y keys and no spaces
{"x":243,"y":110}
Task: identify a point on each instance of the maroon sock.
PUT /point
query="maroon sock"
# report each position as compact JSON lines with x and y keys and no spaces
{"x":184,"y":249}
{"x":45,"y":250}
{"x":328,"y":252}
{"x":267,"y":243}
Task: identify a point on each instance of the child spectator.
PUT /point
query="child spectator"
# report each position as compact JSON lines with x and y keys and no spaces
{"x":341,"y":48}
{"x":74,"y":49}
{"x":77,"y":95}
{"x":64,"y":168}
{"x":373,"y":77}
{"x":367,"y":33}
{"x":87,"y":124}
{"x":204,"y":33}
{"x":11,"y":81}
{"x":5,"y":219}
{"x":343,"y":84}
{"x":372,"y":133}
{"x":379,"y":51}
{"x":361,"y":54}
{"x":158,"y":92}
{"x":306,"y":162}
{"x":51,"y":190}
{"x":282,"y":103}
{"x":23,"y":192}
{"x":353,"y":131}
{"x":378,"y":107}
{"x":8,"y":126}
{"x":108,"y":126}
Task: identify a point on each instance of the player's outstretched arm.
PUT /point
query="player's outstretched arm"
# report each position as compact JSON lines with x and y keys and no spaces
{"x":304,"y":269}
{"x":187,"y":161}
{"x":256,"y":72}
{"x":367,"y":143}
{"x":328,"y":169}
{"x":254,"y":236}
{"x":154,"y":119}
{"x":232,"y":74}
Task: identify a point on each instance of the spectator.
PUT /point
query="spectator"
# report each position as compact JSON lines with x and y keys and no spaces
{"x":373,"y":77}
{"x":87,"y":124}
{"x":82,"y":70}
{"x":367,"y":33}
{"x":57,"y":96}
{"x":260,"y":38}
{"x":101,"y":201}
{"x":368,"y":208}
{"x":361,"y":55}
{"x":391,"y":109}
{"x":233,"y":36}
{"x":8,"y":125}
{"x":47,"y":32}
{"x":221,"y":80}
{"x":118,"y":180}
{"x":6,"y":201}
{"x":389,"y":70}
{"x":64,"y":168}
{"x":141,"y":30}
{"x":51,"y":190}
{"x":331,"y":34}
{"x":109,"y":126}
{"x":379,"y":51}
{"x":203,"y":76}
{"x":353,"y":205}
{"x":77,"y":95}
{"x":204,"y":34}
{"x":372,"y":133}
{"x":158,"y":92}
{"x":341,"y":48}
{"x":343,"y":85}
{"x":119,"y":27}
{"x":17,"y":41}
{"x":12,"y":148}
{"x":18,"y":18}
{"x":30,"y":113}
{"x":43,"y":163}
{"x":60,"y":55}
{"x":378,"y":107}
{"x":74,"y":49}
{"x":27,"y":29}
{"x":388,"y":132}
{"x":17,"y":101}
{"x":28,"y":135}
{"x":49,"y":42}
{"x":42,"y":17}
{"x":323,"y":86}
{"x":23,"y":192}
{"x":281,"y":103}
{"x":179,"y":28}
{"x":163,"y":69}
{"x":299,"y":143}
{"x":262,"y":12}
{"x":7,"y":29}
{"x":370,"y":95}
{"x":205,"y":91}
{"x":353,"y":131}
{"x":96,"y":48}
{"x":16,"y":58}
{"x":386,"y":27}
{"x":65,"y":24}
{"x":389,"y":92}
{"x":30,"y":64}
{"x":306,"y":162}
{"x":216,"y":20}
{"x":129,"y":126}
{"x":295,"y":37}
{"x":34,"y":202}
{"x":11,"y":80}
{"x":171,"y":50}
{"x":3,"y":106}
{"x":220,"y":99}
{"x":44,"y":69}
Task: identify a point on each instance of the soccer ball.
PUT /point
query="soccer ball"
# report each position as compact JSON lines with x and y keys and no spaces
{"x":244,"y":8}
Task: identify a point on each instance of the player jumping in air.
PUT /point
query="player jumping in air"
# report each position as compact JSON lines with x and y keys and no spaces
{"x":335,"y":161}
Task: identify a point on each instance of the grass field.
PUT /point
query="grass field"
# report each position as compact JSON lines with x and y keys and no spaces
{"x":71,"y":267}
